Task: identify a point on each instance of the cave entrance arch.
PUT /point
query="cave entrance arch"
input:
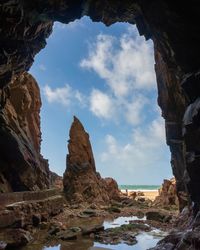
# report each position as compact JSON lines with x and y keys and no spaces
{"x":24,"y":33}
{"x":106,"y":77}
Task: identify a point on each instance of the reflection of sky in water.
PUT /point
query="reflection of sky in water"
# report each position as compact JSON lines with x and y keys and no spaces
{"x":120,"y":221}
{"x":145,"y":239}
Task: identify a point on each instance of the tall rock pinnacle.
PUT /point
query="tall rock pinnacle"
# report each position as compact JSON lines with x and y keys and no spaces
{"x":81,"y":181}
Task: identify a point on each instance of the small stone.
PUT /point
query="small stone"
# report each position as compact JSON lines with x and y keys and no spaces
{"x":114,"y":210}
{"x":44,"y":225}
{"x":90,"y":212}
{"x":67,"y":235}
{"x":54,"y":230}
{"x":92,"y":229}
{"x":155,"y":215}
{"x":17,"y":237}
{"x":75,"y":229}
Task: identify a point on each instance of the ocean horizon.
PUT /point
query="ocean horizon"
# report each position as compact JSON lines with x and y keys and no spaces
{"x":139,"y":187}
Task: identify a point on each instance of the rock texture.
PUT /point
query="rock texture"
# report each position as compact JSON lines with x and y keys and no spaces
{"x":167,"y":194}
{"x":22,"y":167}
{"x":174,"y":28}
{"x":25,"y":26}
{"x":56,"y":181}
{"x":20,"y":209}
{"x":81,"y":181}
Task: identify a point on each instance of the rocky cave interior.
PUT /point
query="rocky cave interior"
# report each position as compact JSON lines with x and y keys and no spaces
{"x":25,"y":25}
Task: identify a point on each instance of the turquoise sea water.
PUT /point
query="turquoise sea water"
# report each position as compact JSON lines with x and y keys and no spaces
{"x":139,"y":187}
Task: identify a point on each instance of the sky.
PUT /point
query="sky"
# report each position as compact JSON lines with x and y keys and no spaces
{"x":104,"y":76}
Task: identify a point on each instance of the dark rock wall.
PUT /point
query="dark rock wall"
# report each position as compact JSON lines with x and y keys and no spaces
{"x":172,"y":103}
{"x":22,"y":167}
{"x":175,"y":30}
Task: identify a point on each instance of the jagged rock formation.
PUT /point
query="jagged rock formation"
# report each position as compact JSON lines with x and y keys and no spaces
{"x":56,"y":181}
{"x":25,"y":25}
{"x":81,"y":181}
{"x":167,"y":194}
{"x":174,"y":28}
{"x":22,"y":165}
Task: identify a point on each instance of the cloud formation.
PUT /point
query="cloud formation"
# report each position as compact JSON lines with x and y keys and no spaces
{"x":126,"y":64}
{"x":146,"y":148}
{"x":127,"y":67}
{"x":101,"y":104}
{"x":65,"y":95}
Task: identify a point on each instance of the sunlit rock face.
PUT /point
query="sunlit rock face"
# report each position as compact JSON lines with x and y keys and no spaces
{"x":22,"y":167}
{"x":81,"y":181}
{"x":167,"y":194}
{"x":26,"y":24}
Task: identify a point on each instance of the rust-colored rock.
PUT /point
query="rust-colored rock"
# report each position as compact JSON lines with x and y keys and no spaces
{"x":56,"y":181}
{"x":112,"y":188}
{"x":167,"y":194}
{"x":81,"y":181}
{"x":22,"y":165}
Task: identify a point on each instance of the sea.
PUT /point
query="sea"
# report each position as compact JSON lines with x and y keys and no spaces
{"x":139,"y":187}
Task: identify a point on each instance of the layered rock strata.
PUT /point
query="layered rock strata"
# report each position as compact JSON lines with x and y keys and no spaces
{"x":81,"y":181}
{"x":20,"y":209}
{"x":22,"y":167}
{"x":174,"y":28}
{"x":167,"y":194}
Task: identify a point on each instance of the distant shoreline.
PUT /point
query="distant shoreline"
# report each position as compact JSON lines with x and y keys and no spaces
{"x":136,"y":190}
{"x":147,"y":193}
{"x":139,"y":187}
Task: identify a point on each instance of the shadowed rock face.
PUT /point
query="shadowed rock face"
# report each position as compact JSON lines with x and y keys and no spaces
{"x":22,"y":167}
{"x":81,"y":181}
{"x":26,"y":24}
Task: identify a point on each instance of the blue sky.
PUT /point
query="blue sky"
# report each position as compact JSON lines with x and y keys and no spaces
{"x":105,"y":76}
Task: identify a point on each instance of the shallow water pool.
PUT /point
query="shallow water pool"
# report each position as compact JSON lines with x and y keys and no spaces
{"x":145,"y":239}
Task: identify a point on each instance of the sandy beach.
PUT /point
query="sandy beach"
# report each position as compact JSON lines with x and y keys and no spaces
{"x":150,"y":194}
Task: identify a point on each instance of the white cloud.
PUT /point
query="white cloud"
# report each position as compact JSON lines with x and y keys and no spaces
{"x":125,"y":65}
{"x":42,"y":67}
{"x":65,"y":95}
{"x":146,"y":148}
{"x":101,"y":104}
{"x":134,"y":110}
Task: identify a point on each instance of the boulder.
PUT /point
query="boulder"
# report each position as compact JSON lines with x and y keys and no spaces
{"x":167,"y":194}
{"x":17,"y":237}
{"x":157,"y":216}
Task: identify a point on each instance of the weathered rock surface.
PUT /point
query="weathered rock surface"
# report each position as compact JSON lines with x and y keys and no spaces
{"x":174,"y":28}
{"x":22,"y":165}
{"x":167,"y":194}
{"x":20,"y":209}
{"x":15,"y":238}
{"x":124,"y":233}
{"x":81,"y":181}
{"x":56,"y":181}
{"x":26,"y":25}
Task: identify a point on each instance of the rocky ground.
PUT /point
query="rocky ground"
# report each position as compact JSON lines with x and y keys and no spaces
{"x":83,"y":220}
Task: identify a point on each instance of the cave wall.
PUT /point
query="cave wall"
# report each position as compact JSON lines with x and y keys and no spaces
{"x":22,"y":167}
{"x":174,"y":29}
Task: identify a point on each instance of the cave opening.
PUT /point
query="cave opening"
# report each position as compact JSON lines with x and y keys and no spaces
{"x":105,"y":76}
{"x":26,"y":25}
